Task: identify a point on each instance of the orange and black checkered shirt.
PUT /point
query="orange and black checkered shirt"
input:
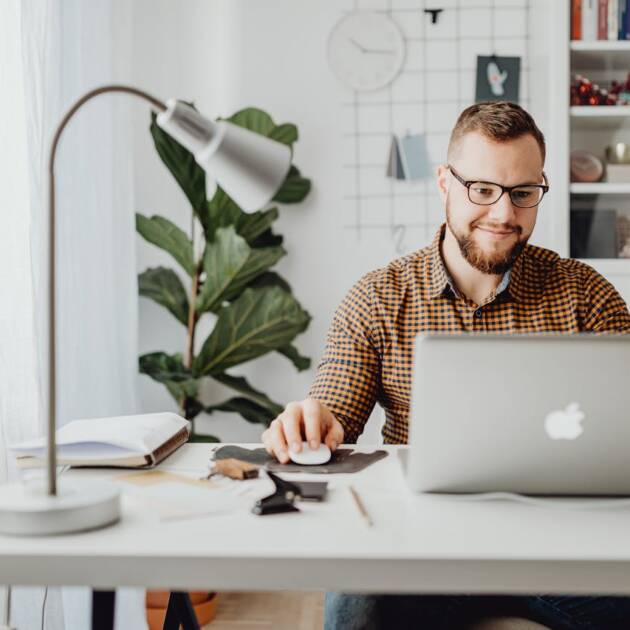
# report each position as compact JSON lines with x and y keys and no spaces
{"x":369,"y":350}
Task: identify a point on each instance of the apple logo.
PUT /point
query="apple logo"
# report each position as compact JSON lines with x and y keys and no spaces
{"x":565,"y":424}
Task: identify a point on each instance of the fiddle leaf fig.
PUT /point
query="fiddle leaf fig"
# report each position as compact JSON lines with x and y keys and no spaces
{"x":169,"y":237}
{"x":257,"y":322}
{"x":253,"y":307}
{"x":164,"y":287}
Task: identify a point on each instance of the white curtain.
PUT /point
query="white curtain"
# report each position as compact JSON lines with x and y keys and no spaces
{"x":52,"y":51}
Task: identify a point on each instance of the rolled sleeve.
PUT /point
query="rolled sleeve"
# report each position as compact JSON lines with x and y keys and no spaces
{"x":349,"y":371}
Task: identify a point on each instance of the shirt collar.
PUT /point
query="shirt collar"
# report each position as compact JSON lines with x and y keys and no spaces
{"x":440,"y":280}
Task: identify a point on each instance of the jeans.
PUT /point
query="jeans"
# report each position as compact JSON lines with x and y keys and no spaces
{"x":345,"y":611}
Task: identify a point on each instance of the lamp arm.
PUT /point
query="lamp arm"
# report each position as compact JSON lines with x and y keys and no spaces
{"x":52,"y":401}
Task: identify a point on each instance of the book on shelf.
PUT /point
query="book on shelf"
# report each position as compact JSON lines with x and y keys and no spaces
{"x":139,"y":441}
{"x":613,"y":19}
{"x":599,"y":20}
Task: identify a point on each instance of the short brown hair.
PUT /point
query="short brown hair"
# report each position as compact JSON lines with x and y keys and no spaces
{"x":497,"y":120}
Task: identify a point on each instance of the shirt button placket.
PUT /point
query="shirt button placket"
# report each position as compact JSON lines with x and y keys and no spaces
{"x":478,"y":318}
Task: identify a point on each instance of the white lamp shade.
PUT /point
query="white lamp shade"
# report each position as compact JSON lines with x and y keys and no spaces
{"x":248,"y":166}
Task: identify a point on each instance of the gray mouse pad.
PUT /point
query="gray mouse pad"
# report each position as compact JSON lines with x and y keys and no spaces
{"x":343,"y":460}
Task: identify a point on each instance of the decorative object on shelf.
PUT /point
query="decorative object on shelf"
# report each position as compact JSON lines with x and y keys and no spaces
{"x":618,"y":163}
{"x":586,"y":93}
{"x":366,"y":50}
{"x":253,"y":308}
{"x":586,"y":167}
{"x":593,"y":233}
{"x":408,"y":157}
{"x":498,"y":78}
{"x":623,"y":235}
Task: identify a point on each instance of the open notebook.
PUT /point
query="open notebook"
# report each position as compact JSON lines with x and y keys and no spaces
{"x":139,"y":441}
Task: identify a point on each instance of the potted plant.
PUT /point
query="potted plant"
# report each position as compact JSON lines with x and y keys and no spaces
{"x":231,"y":282}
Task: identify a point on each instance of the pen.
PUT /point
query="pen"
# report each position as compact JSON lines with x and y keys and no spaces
{"x":360,"y":506}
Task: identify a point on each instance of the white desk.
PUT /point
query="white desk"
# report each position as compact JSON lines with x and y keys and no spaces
{"x":417,"y":543}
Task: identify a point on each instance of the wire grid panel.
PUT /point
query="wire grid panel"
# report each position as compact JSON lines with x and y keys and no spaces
{"x":436,"y":83}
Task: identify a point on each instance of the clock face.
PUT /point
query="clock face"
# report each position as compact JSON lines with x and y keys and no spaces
{"x":366,"y":50}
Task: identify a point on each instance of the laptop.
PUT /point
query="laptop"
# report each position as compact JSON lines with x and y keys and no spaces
{"x":544,"y":414}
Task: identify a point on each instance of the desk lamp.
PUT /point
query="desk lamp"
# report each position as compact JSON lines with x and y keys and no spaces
{"x":250,"y":168}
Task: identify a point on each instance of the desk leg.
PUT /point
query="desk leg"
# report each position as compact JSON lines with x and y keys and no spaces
{"x":180,"y":611}
{"x":103,"y":604}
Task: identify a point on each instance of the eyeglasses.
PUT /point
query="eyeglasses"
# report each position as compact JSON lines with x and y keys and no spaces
{"x":487,"y":193}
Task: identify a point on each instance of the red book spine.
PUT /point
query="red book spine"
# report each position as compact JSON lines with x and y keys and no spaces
{"x":576,"y":19}
{"x":602,"y":19}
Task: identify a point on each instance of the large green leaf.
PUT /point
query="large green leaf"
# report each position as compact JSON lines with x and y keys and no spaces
{"x":251,"y":226}
{"x":240,"y":384}
{"x":253,"y":119}
{"x":181,"y":163}
{"x":218,"y":212}
{"x":294,"y":188}
{"x":170,"y":371}
{"x":267,"y":239}
{"x":230,"y":265}
{"x":259,"y":321}
{"x":164,"y":287}
{"x":250,"y":410}
{"x":270,"y":279}
{"x":286,"y":133}
{"x":222,"y":211}
{"x":292,"y":353}
{"x":169,"y":237}
{"x":259,"y":260}
{"x":261,"y":122}
{"x":223,"y":259}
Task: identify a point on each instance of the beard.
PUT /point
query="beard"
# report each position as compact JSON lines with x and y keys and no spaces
{"x":494,"y":263}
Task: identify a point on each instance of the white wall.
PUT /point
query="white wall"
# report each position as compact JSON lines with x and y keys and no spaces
{"x":229,"y":54}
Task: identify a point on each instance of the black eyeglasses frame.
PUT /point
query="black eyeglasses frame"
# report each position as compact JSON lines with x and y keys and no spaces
{"x":504,"y":189}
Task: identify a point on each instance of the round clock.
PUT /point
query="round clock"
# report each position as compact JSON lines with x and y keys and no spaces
{"x":366,"y":50}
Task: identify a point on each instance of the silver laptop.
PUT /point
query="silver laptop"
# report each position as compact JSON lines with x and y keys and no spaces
{"x":535,"y":414}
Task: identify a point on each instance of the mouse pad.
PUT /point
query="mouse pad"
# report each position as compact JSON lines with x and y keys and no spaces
{"x":343,"y":460}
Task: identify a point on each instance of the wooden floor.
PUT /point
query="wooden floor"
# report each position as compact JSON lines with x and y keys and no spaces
{"x":291,"y":610}
{"x":284,"y":610}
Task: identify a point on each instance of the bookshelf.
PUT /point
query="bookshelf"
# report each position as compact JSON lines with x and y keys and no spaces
{"x":589,"y":128}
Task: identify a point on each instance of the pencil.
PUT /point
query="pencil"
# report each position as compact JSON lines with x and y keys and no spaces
{"x":360,"y":506}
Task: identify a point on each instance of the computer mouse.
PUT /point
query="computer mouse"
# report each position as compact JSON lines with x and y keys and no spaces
{"x":309,"y":457}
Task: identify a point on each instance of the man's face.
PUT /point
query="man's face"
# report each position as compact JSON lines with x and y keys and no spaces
{"x":490,"y":237}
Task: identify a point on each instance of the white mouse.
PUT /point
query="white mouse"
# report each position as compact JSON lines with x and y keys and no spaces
{"x":309,"y":457}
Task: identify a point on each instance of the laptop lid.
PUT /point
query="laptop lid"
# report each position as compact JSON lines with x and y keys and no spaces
{"x":528,"y":413}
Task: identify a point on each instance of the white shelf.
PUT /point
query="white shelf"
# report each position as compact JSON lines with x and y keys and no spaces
{"x":600,"y":111}
{"x":601,"y":46}
{"x":599,"y":188}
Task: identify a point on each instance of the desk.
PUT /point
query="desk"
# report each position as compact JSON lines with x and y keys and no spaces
{"x":431,"y":544}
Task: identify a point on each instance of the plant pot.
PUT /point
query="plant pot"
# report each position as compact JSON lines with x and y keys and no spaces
{"x":203,"y":602}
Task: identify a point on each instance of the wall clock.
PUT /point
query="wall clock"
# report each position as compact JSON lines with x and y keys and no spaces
{"x":366,"y":50}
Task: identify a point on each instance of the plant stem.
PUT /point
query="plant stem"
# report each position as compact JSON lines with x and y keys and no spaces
{"x":192,"y":317}
{"x":192,"y":325}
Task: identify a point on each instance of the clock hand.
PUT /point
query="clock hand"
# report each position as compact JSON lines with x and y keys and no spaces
{"x":379,"y":51}
{"x":356,"y":43}
{"x":371,"y":50}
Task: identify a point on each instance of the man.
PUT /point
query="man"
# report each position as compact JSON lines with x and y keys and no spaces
{"x":479,"y":274}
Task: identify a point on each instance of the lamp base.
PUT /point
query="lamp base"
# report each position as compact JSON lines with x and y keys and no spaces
{"x":26,"y":509}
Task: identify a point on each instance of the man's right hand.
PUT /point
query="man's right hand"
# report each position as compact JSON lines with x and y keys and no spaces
{"x":308,"y":420}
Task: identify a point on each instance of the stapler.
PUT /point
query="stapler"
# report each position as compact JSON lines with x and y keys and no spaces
{"x":282,"y":500}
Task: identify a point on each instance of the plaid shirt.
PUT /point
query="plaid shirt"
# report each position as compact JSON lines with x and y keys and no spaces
{"x":369,"y":350}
